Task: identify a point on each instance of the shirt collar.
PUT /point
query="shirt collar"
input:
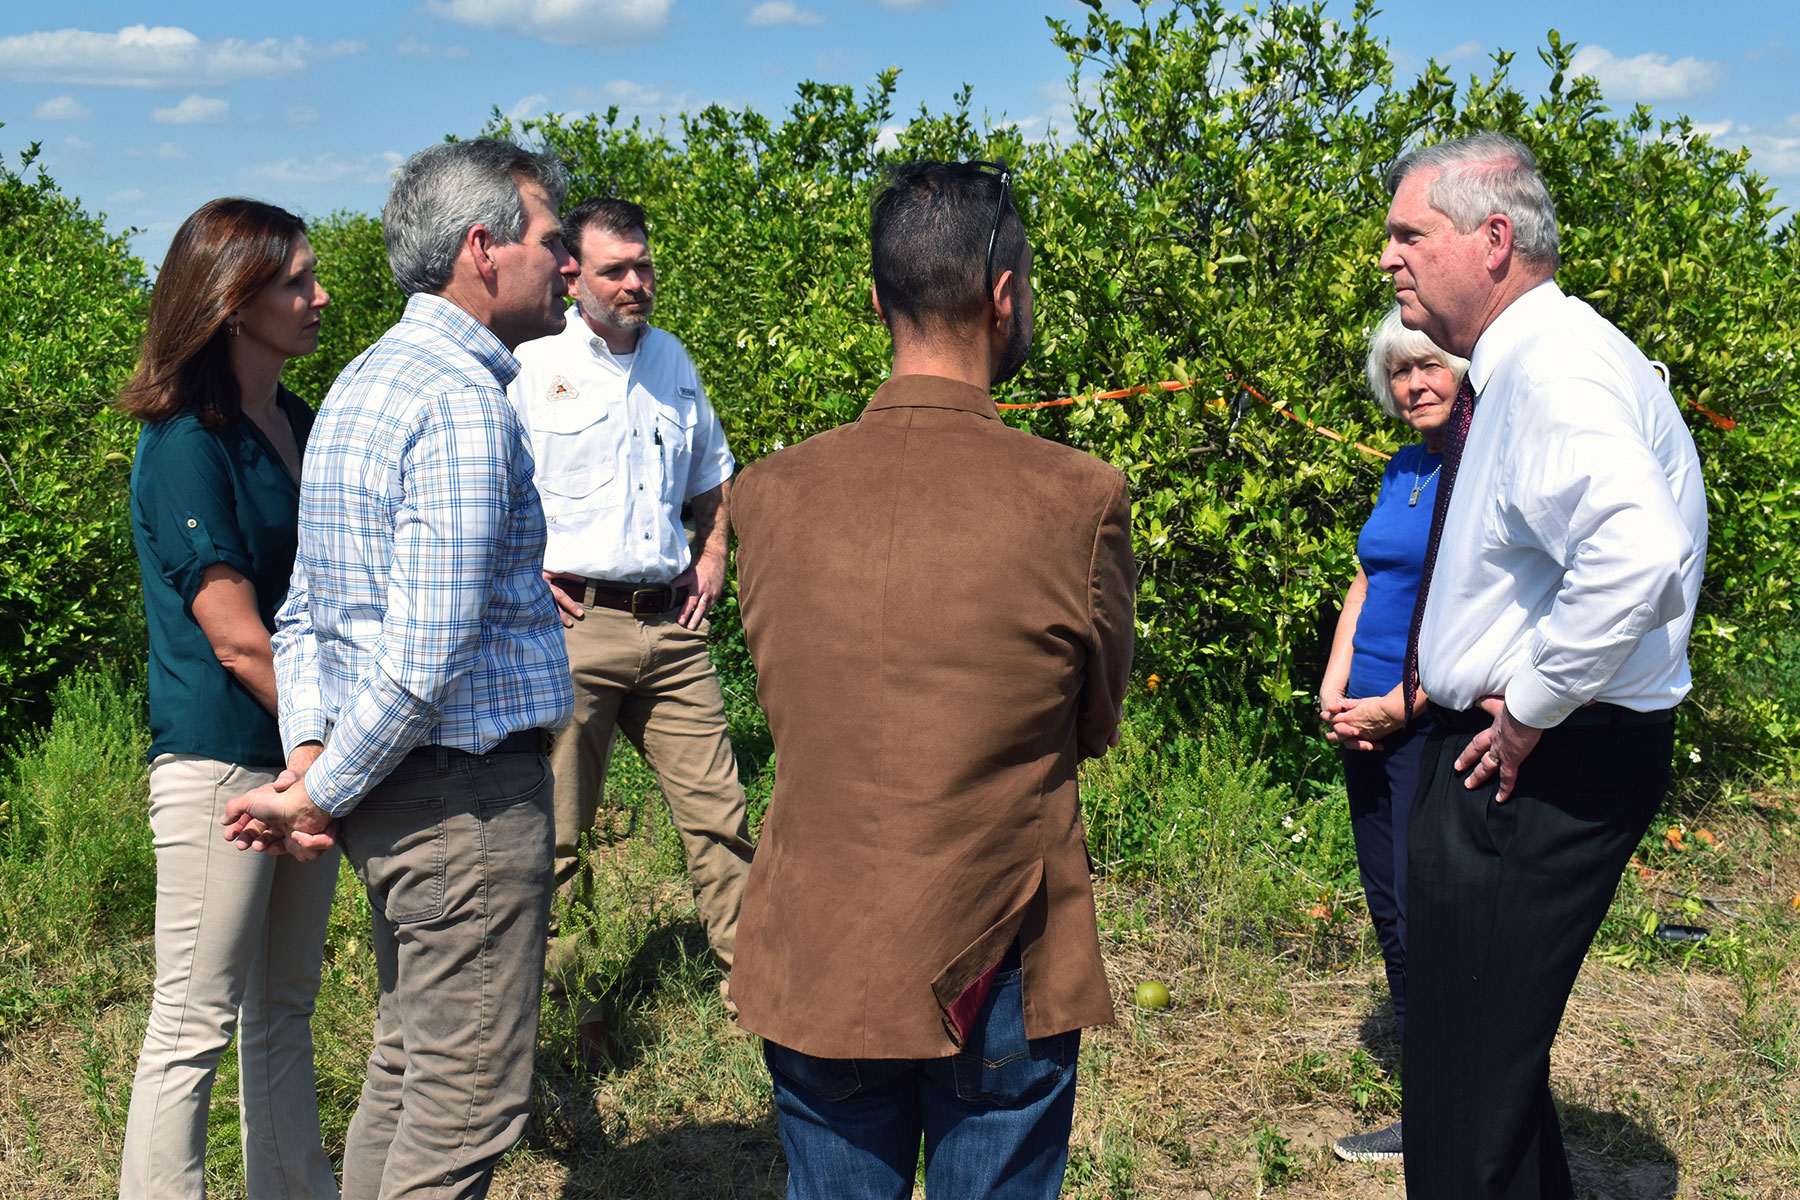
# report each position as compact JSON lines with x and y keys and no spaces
{"x":578,"y":329}
{"x":933,"y":391}
{"x":1508,"y":330}
{"x":443,"y":317}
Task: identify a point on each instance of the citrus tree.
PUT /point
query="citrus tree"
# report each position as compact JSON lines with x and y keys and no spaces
{"x":72,"y":299}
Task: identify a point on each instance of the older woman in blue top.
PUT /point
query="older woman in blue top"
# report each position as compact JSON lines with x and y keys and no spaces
{"x":214,"y":512}
{"x":1360,"y":696}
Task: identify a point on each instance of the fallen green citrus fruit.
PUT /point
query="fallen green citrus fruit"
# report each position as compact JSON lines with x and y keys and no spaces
{"x":1152,"y":995}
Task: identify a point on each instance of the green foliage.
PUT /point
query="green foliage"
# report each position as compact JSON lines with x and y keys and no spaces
{"x":72,"y":300}
{"x":365,"y":301}
{"x":76,"y":867}
{"x":1212,"y":218}
{"x":1199,"y":800}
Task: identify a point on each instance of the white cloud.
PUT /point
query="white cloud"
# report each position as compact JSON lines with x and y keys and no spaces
{"x":634,"y":99}
{"x":79,"y":145}
{"x":173,"y":151}
{"x":159,"y":56}
{"x":603,"y":24}
{"x":527,"y":107}
{"x":329,"y":168}
{"x":128,"y":196}
{"x":915,"y":5}
{"x":1647,"y":76}
{"x":628,"y":93}
{"x":301,"y":118}
{"x":1774,"y":156}
{"x":889,"y":137}
{"x":195,"y":110}
{"x":62,"y":108}
{"x":836,"y":64}
{"x":1714,"y":129}
{"x":782,"y":12}
{"x":426,"y":50}
{"x":1464,"y":50}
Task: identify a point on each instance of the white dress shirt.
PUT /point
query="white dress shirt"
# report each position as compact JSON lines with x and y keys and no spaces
{"x":620,"y":443}
{"x":1570,"y":561}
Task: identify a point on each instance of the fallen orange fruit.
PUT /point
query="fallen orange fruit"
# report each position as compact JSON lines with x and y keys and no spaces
{"x":1151,"y":995}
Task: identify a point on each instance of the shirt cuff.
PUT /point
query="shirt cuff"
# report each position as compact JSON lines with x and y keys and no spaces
{"x":299,"y":729}
{"x":1532,"y":703}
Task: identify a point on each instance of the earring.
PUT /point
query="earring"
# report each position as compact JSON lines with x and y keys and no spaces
{"x":234,"y":330}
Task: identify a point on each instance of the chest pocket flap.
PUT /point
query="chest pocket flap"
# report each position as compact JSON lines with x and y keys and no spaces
{"x":577,"y":448}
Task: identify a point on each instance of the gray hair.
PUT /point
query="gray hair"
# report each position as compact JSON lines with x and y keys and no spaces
{"x":443,"y":190}
{"x":1483,"y":174}
{"x":1392,"y":344}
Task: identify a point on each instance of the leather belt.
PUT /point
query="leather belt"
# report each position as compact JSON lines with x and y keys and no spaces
{"x":638,"y":599}
{"x":1598,"y":715}
{"x":520,"y":741}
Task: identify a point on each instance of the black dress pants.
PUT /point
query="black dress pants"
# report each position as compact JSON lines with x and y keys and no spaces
{"x":1503,"y":902}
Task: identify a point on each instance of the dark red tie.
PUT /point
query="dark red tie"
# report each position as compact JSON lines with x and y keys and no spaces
{"x":1461,"y":414}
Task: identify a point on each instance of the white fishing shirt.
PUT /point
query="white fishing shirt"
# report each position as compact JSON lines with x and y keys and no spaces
{"x":620,"y":443}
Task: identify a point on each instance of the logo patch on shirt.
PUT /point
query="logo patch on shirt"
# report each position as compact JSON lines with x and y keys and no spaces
{"x":561,"y":389}
{"x":687,"y":393}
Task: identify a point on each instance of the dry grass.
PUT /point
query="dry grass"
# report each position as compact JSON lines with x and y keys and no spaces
{"x":1676,"y":1081}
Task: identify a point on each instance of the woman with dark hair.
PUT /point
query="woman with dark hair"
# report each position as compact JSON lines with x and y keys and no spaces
{"x":214,"y":511}
{"x":1414,"y":381}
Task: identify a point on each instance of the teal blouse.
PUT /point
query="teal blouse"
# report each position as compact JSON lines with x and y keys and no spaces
{"x":200,"y":498}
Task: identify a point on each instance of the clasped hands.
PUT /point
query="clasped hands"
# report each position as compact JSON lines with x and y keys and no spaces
{"x":1496,"y":750}
{"x":279,"y":817}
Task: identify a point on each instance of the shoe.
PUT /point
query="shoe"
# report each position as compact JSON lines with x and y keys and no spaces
{"x":1383,"y":1145}
{"x":590,"y":1045}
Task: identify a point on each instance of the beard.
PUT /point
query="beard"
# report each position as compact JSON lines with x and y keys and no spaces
{"x":1018,"y":349}
{"x":616,"y":314}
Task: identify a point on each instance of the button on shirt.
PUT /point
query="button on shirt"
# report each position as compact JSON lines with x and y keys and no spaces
{"x":417,"y":613}
{"x":620,"y":443}
{"x":1572,"y":550}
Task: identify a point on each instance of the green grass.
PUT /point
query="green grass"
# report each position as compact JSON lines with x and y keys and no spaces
{"x":1259,"y":935}
{"x":77,"y":875}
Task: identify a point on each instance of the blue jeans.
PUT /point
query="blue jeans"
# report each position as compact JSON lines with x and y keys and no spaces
{"x":994,"y":1118}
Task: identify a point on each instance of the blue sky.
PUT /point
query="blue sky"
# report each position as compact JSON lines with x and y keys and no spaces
{"x":147,"y":109}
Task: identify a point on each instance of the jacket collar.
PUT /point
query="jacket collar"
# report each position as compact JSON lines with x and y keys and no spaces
{"x":933,"y":391}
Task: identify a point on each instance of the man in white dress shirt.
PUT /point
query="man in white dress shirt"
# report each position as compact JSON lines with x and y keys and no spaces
{"x":1553,"y":646}
{"x":623,"y":439}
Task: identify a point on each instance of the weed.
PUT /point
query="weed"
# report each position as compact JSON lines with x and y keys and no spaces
{"x":1276,"y":1162}
{"x":96,"y":1079}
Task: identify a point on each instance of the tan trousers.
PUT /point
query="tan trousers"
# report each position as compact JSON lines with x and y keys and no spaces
{"x":454,"y":850}
{"x":654,"y":682}
{"x":237,"y":934}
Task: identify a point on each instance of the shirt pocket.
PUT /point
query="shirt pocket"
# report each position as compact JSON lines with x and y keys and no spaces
{"x":577,"y":467}
{"x":675,"y":446}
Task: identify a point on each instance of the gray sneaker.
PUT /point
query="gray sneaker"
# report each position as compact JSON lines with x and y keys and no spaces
{"x":1383,"y":1145}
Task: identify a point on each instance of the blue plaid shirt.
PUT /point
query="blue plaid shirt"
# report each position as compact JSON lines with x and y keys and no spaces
{"x":417,"y":612}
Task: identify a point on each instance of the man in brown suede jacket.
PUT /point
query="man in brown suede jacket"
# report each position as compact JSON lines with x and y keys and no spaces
{"x":940,"y":612}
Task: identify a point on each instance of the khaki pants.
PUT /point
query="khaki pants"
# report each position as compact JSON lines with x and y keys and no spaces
{"x":653,"y":681}
{"x":454,"y":850}
{"x":238,"y":935}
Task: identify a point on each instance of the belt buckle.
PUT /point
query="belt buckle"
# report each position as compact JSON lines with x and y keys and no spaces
{"x":661,"y":594}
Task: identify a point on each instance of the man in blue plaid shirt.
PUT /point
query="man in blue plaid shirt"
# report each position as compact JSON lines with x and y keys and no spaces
{"x":420,"y":663}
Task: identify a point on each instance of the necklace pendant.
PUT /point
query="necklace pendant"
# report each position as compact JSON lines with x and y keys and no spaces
{"x":1413,"y":501}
